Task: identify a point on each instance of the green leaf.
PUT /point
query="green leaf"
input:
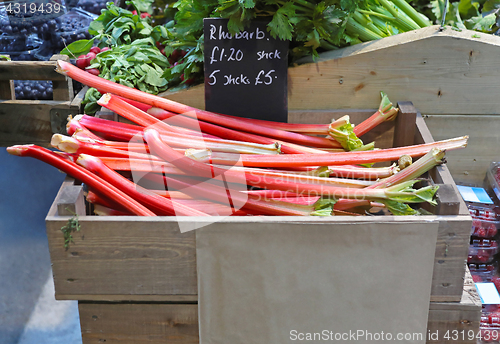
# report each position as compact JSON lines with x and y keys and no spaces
{"x":491,"y":5}
{"x":398,"y":208}
{"x":96,"y":27}
{"x":153,"y":77}
{"x":403,"y":192}
{"x":78,"y":48}
{"x":141,"y":5}
{"x":323,"y":207}
{"x":280,"y":26}
{"x":468,"y":8}
{"x":483,"y":24}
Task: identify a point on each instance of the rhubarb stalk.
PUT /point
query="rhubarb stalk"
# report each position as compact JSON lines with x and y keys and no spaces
{"x":400,"y":192}
{"x":386,"y":112}
{"x":364,"y":157}
{"x":160,"y":205}
{"x":81,"y":174}
{"x":90,"y":80}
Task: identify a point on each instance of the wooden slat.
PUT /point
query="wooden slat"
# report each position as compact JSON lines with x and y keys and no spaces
{"x":441,"y":174}
{"x":135,"y":298}
{"x":7,"y":90}
{"x":449,"y":261}
{"x":28,"y":70}
{"x":27,"y":121}
{"x":77,"y":101}
{"x":138,"y":323}
{"x":404,"y":131}
{"x":469,"y":166}
{"x":62,"y":89}
{"x":441,"y":72}
{"x":71,"y":201}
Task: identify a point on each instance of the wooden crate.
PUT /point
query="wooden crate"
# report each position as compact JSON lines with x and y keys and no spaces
{"x":148,"y":259}
{"x":34,"y":121}
{"x":451,"y":76}
{"x":118,"y":322}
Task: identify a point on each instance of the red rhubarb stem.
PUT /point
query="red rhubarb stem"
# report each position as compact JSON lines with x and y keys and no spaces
{"x":160,"y":205}
{"x":193,"y":167}
{"x":364,"y":157}
{"x":81,"y":174}
{"x":169,"y":105}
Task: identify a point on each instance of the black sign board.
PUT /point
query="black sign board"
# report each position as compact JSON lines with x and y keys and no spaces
{"x":246,"y":73}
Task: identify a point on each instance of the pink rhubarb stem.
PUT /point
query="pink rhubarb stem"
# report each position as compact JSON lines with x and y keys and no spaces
{"x":238,"y":200}
{"x":427,"y":162}
{"x":314,"y":129}
{"x":179,"y":139}
{"x":90,"y":80}
{"x":159,"y":205}
{"x":143,"y":165}
{"x":73,"y":146}
{"x":124,"y":109}
{"x":230,"y":134}
{"x":364,"y":157}
{"x":193,"y":167}
{"x":83,"y":175}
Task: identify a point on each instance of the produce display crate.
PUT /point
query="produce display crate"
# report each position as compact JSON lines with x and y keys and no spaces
{"x":34,"y":121}
{"x":115,"y":322}
{"x":141,"y":271}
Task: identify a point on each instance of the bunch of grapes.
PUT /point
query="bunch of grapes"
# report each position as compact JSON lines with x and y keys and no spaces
{"x":67,"y":29}
{"x":92,"y":6}
{"x":33,"y":90}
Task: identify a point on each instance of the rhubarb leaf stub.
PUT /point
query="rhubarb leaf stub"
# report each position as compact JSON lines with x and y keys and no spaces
{"x":345,"y":135}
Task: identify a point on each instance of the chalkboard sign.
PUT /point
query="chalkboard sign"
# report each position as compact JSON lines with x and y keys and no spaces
{"x":246,"y":73}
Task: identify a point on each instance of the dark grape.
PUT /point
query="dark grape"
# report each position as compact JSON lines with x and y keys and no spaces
{"x":33,"y":90}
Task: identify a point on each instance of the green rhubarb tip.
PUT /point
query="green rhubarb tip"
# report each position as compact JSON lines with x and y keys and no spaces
{"x":322,"y":171}
{"x":398,"y":208}
{"x":367,"y":147}
{"x":324,"y":207}
{"x":345,"y":136}
{"x":386,"y":107}
{"x":403,"y":192}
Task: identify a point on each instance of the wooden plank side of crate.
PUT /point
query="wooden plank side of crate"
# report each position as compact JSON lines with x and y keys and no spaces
{"x":450,"y":258}
{"x":124,"y":257}
{"x":28,"y":121}
{"x":441,"y":72}
{"x":178,"y":323}
{"x":469,"y":166}
{"x":28,"y":70}
{"x":138,"y":323}
{"x":141,"y":259}
{"x":34,"y":121}
{"x":453,"y":238}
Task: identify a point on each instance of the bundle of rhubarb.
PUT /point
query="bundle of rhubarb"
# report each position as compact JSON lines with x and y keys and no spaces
{"x":179,"y":160}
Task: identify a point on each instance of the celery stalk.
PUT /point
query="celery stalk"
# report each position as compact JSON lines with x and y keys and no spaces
{"x":419,"y":18}
{"x":363,"y":33}
{"x":366,"y":21}
{"x":401,"y":18}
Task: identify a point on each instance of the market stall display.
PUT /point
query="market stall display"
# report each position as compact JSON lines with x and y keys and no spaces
{"x":123,"y":45}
